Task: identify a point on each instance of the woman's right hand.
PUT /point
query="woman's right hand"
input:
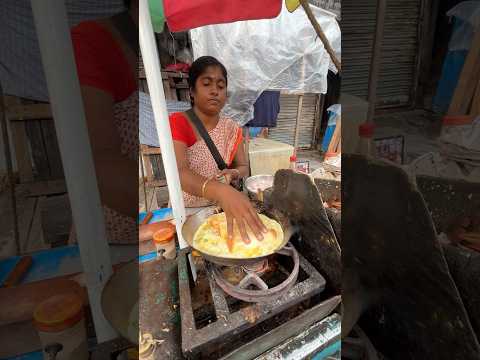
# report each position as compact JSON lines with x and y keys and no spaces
{"x":238,"y":208}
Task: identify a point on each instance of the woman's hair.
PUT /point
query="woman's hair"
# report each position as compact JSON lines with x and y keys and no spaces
{"x":199,"y":66}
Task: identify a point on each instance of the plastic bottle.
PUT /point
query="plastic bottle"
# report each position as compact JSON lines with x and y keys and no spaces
{"x":293,"y":162}
{"x":366,"y":145}
{"x":60,"y":323}
{"x":164,"y":240}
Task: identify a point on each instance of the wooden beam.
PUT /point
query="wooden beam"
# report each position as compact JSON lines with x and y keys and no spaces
{"x":56,"y":215}
{"x":36,"y":239}
{"x":468,"y":80}
{"x":423,"y":68}
{"x":29,"y":112}
{"x":318,"y":118}
{"x":298,"y":121}
{"x":34,"y":189}
{"x":51,"y":149}
{"x":37,"y":146}
{"x":20,"y":144}
{"x":8,"y":160}
{"x":26,"y":212}
{"x":151,"y":151}
{"x":475,"y":109}
{"x":156,"y":183}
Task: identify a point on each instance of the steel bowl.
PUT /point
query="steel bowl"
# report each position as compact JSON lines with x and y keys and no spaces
{"x":257,"y":184}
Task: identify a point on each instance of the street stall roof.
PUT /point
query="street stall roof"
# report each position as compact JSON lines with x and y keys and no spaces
{"x":186,"y":15}
{"x":277,"y":54}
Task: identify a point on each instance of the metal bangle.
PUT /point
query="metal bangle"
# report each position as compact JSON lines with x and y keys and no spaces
{"x":204,"y":186}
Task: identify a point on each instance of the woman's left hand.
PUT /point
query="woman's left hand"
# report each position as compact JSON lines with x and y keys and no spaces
{"x":230,"y":174}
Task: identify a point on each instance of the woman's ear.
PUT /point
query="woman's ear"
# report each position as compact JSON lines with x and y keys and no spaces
{"x":191,"y":97}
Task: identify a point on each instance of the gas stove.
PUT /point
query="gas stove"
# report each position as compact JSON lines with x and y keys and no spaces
{"x":229,"y":306}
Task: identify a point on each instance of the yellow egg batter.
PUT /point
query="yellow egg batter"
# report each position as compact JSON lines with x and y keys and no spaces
{"x":211,"y":239}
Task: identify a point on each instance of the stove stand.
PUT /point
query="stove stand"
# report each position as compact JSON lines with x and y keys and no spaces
{"x":231,"y":323}
{"x":261,"y":291}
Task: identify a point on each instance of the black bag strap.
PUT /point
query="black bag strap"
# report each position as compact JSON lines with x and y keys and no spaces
{"x":208,"y":140}
{"x":128,"y":29}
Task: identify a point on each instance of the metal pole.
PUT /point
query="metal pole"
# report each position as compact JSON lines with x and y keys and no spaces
{"x":8,"y":160}
{"x":153,"y":74}
{"x":159,"y":106}
{"x":376,"y":60}
{"x":67,"y":108}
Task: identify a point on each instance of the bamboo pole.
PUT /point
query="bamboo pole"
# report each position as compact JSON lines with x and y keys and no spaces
{"x":298,"y":121}
{"x":308,"y":10}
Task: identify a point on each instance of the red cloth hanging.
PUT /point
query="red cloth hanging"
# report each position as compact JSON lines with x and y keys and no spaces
{"x":182,"y":15}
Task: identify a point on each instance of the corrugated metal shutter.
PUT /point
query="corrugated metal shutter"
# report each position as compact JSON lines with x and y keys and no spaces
{"x":285,"y":130}
{"x":399,"y":50}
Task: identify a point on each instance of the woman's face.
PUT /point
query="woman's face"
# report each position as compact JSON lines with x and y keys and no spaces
{"x":210,"y":92}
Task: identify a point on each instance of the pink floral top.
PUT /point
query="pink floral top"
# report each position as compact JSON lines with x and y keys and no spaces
{"x":227,"y":136}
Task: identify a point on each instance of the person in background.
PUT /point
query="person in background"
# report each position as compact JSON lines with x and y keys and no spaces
{"x":199,"y":173}
{"x":106,"y":54}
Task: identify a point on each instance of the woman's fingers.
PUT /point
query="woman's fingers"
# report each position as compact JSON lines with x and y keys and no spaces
{"x":229,"y":232}
{"x":253,"y":223}
{"x":259,"y":222}
{"x":243,"y":231}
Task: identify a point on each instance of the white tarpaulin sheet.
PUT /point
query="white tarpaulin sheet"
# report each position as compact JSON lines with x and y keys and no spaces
{"x":284,"y":53}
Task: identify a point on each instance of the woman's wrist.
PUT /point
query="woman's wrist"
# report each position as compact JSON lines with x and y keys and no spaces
{"x":213,"y":190}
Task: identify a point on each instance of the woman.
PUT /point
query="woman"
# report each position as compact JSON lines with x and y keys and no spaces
{"x":106,"y":59}
{"x":199,"y":173}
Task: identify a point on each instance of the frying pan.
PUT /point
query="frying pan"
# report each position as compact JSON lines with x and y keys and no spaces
{"x":192,"y":224}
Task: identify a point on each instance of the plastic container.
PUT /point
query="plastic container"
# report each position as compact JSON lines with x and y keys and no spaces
{"x":268,"y":156}
{"x":60,"y":323}
{"x":365,"y":144}
{"x":164,"y":240}
{"x":354,"y":112}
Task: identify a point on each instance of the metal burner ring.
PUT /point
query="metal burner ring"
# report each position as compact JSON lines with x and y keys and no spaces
{"x":264,"y":294}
